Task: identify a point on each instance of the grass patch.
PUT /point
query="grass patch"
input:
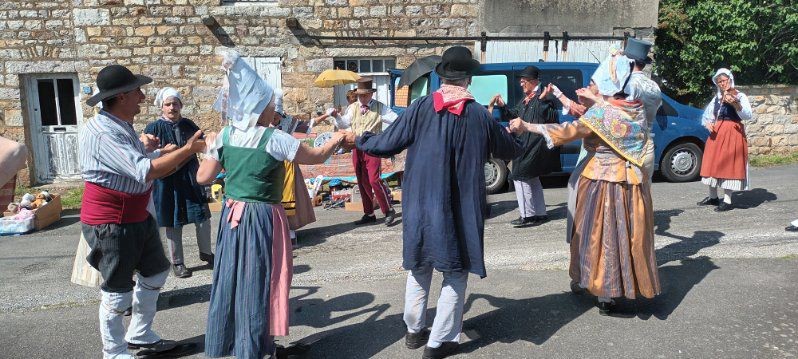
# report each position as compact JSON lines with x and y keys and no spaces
{"x":773,"y":160}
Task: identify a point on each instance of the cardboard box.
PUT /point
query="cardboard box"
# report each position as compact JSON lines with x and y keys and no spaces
{"x":49,"y":213}
{"x":45,"y":215}
{"x":215,"y":206}
{"x":397,"y":195}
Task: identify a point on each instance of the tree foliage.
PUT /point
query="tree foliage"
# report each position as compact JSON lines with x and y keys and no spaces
{"x":756,"y":39}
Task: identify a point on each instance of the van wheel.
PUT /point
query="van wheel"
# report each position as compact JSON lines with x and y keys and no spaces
{"x":495,"y":175}
{"x":682,"y":162}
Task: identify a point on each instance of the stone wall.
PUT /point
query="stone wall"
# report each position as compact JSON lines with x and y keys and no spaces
{"x":774,"y":128}
{"x":176,"y":42}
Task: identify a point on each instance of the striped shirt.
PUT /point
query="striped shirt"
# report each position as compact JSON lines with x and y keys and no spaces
{"x":112,"y":156}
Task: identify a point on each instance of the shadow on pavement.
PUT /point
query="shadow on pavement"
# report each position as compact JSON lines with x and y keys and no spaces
{"x":532,"y":320}
{"x":183,"y":297}
{"x":312,"y":236}
{"x":752,"y":198}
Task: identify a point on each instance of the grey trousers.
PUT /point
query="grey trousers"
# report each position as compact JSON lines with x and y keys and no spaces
{"x":174,"y":236}
{"x":448,"y":320}
{"x":530,"y":197}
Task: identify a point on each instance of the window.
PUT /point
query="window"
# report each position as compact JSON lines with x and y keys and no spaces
{"x":568,"y":81}
{"x":376,"y":68}
{"x":484,"y":87}
{"x":406,"y":95}
{"x":268,"y":68}
{"x":666,"y":110}
{"x":57,"y":102}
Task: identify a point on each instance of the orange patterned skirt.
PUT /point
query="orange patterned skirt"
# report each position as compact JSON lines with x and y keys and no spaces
{"x":612,"y":244}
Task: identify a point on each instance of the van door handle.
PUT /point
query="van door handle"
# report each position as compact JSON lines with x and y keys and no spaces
{"x":59,"y":129}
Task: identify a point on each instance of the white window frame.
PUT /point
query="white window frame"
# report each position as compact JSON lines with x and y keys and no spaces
{"x":339,"y":95}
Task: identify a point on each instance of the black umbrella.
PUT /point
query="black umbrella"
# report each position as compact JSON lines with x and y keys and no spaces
{"x":419,"y":68}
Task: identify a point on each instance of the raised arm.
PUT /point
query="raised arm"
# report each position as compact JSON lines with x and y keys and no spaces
{"x":306,"y":155}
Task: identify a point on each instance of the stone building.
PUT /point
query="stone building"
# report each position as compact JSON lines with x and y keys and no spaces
{"x":52,"y":50}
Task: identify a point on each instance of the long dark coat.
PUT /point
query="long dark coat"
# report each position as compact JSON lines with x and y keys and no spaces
{"x":178,"y":198}
{"x":444,"y":203}
{"x":537,"y":159}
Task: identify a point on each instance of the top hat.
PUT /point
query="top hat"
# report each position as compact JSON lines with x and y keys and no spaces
{"x":115,"y":79}
{"x":457,"y":63}
{"x":638,"y":50}
{"x":530,"y":72}
{"x":364,"y":86}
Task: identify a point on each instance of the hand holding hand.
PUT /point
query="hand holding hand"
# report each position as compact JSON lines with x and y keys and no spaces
{"x":195,"y":144}
{"x":151,"y":143}
{"x":555,"y":90}
{"x":546,"y":91}
{"x":498,"y":100}
{"x":168,"y":148}
{"x":586,"y":97}
{"x":517,"y":125}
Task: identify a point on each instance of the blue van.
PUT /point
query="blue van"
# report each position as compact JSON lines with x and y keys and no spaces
{"x":679,"y":136}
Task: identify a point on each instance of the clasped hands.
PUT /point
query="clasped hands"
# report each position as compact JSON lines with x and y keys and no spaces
{"x":195,"y":144}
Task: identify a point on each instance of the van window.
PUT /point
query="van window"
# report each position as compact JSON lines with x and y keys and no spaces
{"x":484,"y":87}
{"x":568,"y":81}
{"x":666,"y":110}
{"x":404,"y":96}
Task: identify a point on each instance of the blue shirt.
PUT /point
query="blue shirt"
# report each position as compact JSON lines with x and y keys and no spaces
{"x":112,"y":156}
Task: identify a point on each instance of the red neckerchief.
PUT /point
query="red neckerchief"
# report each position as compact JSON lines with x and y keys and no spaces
{"x":451,"y":98}
{"x":529,"y":97}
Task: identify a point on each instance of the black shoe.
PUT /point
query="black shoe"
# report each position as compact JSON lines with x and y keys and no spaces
{"x":605,"y":308}
{"x":709,"y":202}
{"x":518,"y":221}
{"x":723,"y":207}
{"x":128,"y":312}
{"x":576,"y":289}
{"x":366,"y":219}
{"x":540,"y":219}
{"x":297,"y":350}
{"x":443,"y":351}
{"x":181,"y":271}
{"x":157,"y":347}
{"x":791,"y":228}
{"x":417,"y":340}
{"x":390,"y":217}
{"x":525,"y":222}
{"x":207,"y":258}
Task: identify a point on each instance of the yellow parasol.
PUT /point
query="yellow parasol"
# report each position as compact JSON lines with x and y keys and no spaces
{"x":330,"y":78}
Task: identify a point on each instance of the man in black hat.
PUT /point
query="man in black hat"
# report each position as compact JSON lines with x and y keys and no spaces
{"x":642,"y":88}
{"x":448,"y":137}
{"x":537,"y":106}
{"x":368,"y":114}
{"x":123,"y":236}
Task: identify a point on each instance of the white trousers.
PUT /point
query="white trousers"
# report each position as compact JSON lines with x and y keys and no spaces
{"x":448,"y":320}
{"x":144,"y":299}
{"x":174,"y":236}
{"x":530,"y":197}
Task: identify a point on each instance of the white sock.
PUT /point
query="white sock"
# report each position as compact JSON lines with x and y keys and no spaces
{"x":713,"y":192}
{"x":727,"y":196}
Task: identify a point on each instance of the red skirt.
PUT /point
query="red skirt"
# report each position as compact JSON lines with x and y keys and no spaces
{"x":726,"y":152}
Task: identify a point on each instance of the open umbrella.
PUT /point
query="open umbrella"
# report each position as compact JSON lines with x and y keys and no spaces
{"x":418,"y":68}
{"x":330,"y":78}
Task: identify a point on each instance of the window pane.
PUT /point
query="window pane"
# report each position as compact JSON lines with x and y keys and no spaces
{"x":47,"y":108}
{"x":339,"y":65}
{"x":390,"y":64}
{"x":365,"y":65}
{"x":377,"y":66}
{"x":484,"y":87}
{"x":351,"y":65}
{"x":66,"y":102}
{"x":419,"y":88}
{"x":568,"y":81}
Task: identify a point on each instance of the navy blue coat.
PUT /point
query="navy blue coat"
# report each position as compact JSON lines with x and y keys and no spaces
{"x":444,"y":204}
{"x":178,"y":198}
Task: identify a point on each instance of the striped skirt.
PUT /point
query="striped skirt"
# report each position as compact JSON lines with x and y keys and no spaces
{"x":251,"y":280}
{"x":612,"y":244}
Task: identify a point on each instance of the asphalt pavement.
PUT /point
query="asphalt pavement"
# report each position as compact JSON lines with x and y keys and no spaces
{"x":729,"y":287}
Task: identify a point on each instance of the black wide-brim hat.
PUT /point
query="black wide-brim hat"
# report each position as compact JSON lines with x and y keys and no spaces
{"x":115,"y":79}
{"x":638,"y":50}
{"x":457,"y":63}
{"x":530,"y":72}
